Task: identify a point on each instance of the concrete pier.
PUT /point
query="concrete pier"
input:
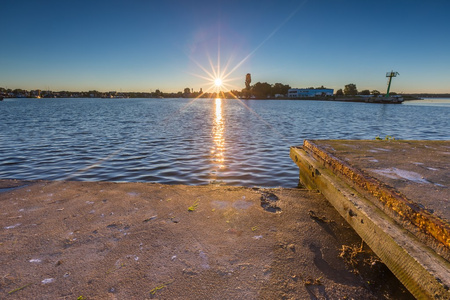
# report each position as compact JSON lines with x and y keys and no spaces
{"x":103,"y":240}
{"x":396,"y":196}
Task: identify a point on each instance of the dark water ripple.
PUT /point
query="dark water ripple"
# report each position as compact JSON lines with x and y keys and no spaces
{"x":181,"y":141}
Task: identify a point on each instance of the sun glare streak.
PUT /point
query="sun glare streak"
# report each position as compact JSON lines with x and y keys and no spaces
{"x":203,"y":68}
{"x":282,"y":136}
{"x":218,"y":56}
{"x":213,"y":68}
{"x":200,"y":76}
{"x":94,"y":165}
{"x":179,"y":111}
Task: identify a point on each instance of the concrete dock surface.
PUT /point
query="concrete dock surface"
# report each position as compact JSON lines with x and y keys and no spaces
{"x":396,"y":195}
{"x":418,"y":169}
{"x":103,"y":240}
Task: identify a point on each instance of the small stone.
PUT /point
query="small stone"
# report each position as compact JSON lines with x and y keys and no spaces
{"x":47,"y":280}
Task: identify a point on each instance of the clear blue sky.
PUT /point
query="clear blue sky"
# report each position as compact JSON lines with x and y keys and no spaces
{"x":142,"y":45}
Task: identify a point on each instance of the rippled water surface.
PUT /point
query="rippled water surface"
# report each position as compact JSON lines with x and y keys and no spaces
{"x":187,"y":141}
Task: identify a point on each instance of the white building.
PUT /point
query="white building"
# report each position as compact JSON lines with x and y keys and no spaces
{"x":302,"y":93}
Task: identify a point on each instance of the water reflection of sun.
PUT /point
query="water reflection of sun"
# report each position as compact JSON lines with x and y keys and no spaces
{"x":218,"y":149}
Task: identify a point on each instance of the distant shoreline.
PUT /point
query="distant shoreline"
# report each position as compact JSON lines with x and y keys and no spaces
{"x":330,"y":99}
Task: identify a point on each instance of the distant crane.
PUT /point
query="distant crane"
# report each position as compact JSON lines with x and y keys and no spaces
{"x":390,"y":75}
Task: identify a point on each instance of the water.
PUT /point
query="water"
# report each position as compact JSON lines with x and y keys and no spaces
{"x":187,"y":141}
{"x":444,"y":102}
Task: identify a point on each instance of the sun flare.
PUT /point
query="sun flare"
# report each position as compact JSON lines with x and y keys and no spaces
{"x":218,"y":76}
{"x":218,"y":82}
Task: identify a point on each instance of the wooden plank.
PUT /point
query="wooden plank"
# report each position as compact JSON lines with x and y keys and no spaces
{"x":424,"y":273}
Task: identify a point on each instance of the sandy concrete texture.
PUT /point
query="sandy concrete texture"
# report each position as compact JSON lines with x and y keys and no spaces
{"x":102,"y":240}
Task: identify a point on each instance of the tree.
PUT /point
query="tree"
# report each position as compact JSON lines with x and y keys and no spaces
{"x":279,"y":88}
{"x":350,"y":89}
{"x":187,"y":91}
{"x":261,"y":90}
{"x":94,"y":94}
{"x":234,"y":93}
{"x":158,"y":93}
{"x":339,"y":92}
{"x":365,"y":92}
{"x":245,"y":93}
{"x":375,"y":92}
{"x":248,"y":80}
{"x":18,"y":91}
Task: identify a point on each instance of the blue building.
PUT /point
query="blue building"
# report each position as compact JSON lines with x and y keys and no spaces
{"x":302,"y":93}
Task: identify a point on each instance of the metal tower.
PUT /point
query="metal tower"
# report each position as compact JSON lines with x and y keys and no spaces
{"x":390,"y":75}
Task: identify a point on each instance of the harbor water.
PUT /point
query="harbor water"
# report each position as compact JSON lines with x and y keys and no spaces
{"x":189,"y":141}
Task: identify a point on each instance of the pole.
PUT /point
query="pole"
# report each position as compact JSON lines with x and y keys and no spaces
{"x":389,"y":85}
{"x":390,"y":75}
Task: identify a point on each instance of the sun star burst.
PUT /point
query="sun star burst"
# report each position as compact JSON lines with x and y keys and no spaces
{"x":218,"y":82}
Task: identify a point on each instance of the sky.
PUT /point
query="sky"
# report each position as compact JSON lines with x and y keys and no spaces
{"x":143,"y":45}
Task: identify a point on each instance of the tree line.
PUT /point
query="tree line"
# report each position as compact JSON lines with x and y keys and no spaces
{"x":351,"y":90}
{"x":264,"y":90}
{"x":260,"y":90}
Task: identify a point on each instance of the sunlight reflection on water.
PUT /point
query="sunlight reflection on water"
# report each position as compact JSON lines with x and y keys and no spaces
{"x":218,"y":149}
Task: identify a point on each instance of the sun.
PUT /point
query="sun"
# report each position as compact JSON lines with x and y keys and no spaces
{"x":218,"y":82}
{"x":218,"y":78}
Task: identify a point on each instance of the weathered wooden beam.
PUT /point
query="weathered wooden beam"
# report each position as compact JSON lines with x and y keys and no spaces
{"x":423,"y":272}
